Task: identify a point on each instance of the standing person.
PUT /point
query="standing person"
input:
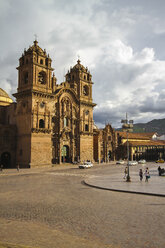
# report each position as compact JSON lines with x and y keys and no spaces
{"x":159,"y":170}
{"x":17,"y":167}
{"x":1,"y":167}
{"x":147,"y":174}
{"x":141,"y":174}
{"x":125,"y":172}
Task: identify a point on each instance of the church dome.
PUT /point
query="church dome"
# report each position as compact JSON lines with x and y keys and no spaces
{"x":4,"y":98}
{"x":36,"y":48}
{"x":78,"y":66}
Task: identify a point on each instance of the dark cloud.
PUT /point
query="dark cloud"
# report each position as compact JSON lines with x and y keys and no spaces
{"x":121,"y":42}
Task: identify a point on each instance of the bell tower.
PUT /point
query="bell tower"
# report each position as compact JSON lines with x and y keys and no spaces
{"x":80,"y":80}
{"x":34,"y":107}
{"x":35,"y":71}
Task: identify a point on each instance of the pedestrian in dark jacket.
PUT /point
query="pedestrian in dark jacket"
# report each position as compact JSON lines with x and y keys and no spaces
{"x":141,"y":174}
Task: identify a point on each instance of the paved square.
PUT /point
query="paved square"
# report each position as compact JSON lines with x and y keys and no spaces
{"x":51,"y":207}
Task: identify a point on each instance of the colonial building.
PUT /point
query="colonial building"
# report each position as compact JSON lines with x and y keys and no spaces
{"x":141,"y":146}
{"x":104,"y":143}
{"x":51,"y":123}
{"x":48,"y":123}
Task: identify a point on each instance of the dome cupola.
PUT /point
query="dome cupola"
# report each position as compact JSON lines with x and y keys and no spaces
{"x":4,"y":98}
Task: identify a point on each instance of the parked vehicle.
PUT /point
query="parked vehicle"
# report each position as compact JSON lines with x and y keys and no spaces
{"x":132,"y":162}
{"x":160,"y":161}
{"x":85,"y":165}
{"x":120,"y":162}
{"x":75,"y":162}
{"x":142,"y":161}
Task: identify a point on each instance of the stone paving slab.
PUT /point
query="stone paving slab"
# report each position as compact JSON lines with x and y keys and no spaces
{"x":115,"y":182}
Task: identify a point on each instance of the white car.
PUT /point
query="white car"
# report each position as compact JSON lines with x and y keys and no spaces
{"x":142,"y":161}
{"x":85,"y":165}
{"x":132,"y":162}
{"x":120,"y":162}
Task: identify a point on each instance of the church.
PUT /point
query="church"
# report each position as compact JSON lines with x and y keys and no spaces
{"x":48,"y":123}
{"x":52,"y":123}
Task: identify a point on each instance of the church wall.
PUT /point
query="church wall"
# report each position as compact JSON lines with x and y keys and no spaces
{"x":86,"y":148}
{"x":23,"y":150}
{"x":11,"y":114}
{"x":23,"y":122}
{"x":8,"y":144}
{"x":96,"y":146}
{"x":2,"y":114}
{"x":41,"y":149}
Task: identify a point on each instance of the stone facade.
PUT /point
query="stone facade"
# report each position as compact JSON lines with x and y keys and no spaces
{"x":104,"y":143}
{"x":140,"y":145}
{"x":51,"y":123}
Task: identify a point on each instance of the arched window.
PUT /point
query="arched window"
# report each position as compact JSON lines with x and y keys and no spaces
{"x":26,"y":77}
{"x":41,"y":123}
{"x":86,"y":127}
{"x":72,"y":77}
{"x":65,"y":122}
{"x":42,"y":77}
{"x":41,"y":61}
{"x":85,"y":90}
{"x":84,"y":77}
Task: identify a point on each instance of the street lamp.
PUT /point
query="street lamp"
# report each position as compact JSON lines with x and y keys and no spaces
{"x":128,"y":127}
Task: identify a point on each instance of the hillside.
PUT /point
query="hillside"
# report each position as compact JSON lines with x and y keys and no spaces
{"x":156,"y":125}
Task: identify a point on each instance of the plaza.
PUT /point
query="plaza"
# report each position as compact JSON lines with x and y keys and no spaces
{"x":53,"y":207}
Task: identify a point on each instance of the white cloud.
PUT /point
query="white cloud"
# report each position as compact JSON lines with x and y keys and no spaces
{"x":135,"y":86}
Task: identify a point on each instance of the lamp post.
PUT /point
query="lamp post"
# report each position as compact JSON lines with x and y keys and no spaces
{"x":128,"y":127}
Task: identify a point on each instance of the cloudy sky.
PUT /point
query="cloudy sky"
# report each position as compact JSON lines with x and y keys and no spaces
{"x":122,"y":42}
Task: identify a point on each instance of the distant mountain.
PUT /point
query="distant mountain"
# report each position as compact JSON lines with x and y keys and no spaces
{"x":156,"y":125}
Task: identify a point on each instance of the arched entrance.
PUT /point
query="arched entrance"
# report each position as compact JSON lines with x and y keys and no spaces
{"x":65,"y":154}
{"x":6,"y":160}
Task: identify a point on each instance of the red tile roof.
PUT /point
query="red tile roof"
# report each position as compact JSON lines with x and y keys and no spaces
{"x":143,"y":136}
{"x":146,"y":143}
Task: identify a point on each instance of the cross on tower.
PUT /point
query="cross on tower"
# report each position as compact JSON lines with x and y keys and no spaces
{"x":35,"y":36}
{"x":78,"y":61}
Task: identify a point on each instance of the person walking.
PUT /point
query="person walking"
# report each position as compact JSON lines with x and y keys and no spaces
{"x":141,"y":174}
{"x":125,"y":172}
{"x":147,"y":174}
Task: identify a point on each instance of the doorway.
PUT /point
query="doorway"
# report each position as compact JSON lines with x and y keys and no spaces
{"x":65,"y":154}
{"x":6,"y":160}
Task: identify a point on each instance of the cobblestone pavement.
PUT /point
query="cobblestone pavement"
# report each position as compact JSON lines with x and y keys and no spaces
{"x":51,"y":207}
